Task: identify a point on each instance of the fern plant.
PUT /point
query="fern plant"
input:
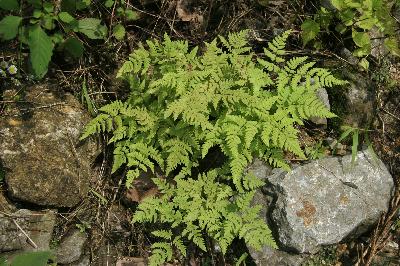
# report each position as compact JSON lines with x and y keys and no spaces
{"x":182,"y":103}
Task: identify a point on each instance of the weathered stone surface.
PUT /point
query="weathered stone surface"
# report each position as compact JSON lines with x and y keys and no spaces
{"x":268,"y":255}
{"x":328,"y":200}
{"x":39,"y":148}
{"x":359,"y":105}
{"x":323,"y":96}
{"x":71,"y":247}
{"x":37,"y":225}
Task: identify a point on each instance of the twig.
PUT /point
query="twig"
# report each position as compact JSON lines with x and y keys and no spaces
{"x":30,"y":241}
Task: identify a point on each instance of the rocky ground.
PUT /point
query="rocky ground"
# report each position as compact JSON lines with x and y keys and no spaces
{"x":57,"y":192}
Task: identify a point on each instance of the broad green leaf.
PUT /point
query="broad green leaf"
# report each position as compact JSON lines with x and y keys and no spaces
{"x":347,"y":17}
{"x":364,"y":63}
{"x":92,"y":28}
{"x":361,"y":39}
{"x":131,"y":15}
{"x":324,"y":18}
{"x":119,"y":32}
{"x":338,"y":4}
{"x":9,"y":27}
{"x":74,"y":47}
{"x":41,"y":50}
{"x":392,"y":45}
{"x":33,"y":258}
{"x":82,"y":4}
{"x":66,"y":17}
{"x":362,"y":51}
{"x":310,"y":30}
{"x":47,"y":22}
{"x":9,"y":5}
{"x":48,"y":7}
{"x":367,"y":23}
{"x":109,"y":3}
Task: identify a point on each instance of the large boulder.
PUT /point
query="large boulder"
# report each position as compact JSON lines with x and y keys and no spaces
{"x":328,"y":200}
{"x":40,"y":150}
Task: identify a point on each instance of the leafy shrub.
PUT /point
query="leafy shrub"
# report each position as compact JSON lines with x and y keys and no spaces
{"x":182,"y":103}
{"x":43,"y":26}
{"x":357,"y":17}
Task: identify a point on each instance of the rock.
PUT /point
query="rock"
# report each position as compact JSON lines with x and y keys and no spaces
{"x":71,"y":247}
{"x":39,"y":149}
{"x":84,"y":261}
{"x":37,"y":225}
{"x":268,"y":255}
{"x":328,"y":200}
{"x":359,"y":102}
{"x":273,"y":257}
{"x":322,"y":94}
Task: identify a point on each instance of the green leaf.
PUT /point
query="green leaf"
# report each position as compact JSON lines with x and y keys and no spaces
{"x":9,"y":27}
{"x":362,"y":51}
{"x":131,"y":15}
{"x":92,"y":28}
{"x":9,"y":5}
{"x":347,"y":17}
{"x":35,"y":3}
{"x":48,"y":7}
{"x":109,"y":3}
{"x":74,"y":47}
{"x":392,"y":45}
{"x":41,"y":50}
{"x":364,"y":63}
{"x":354,"y":147}
{"x":119,"y":32}
{"x":367,"y":23}
{"x":338,"y":4}
{"x":39,"y":258}
{"x":82,"y":4}
{"x":47,"y":22}
{"x":66,"y":17}
{"x":361,"y":39}
{"x":310,"y":30}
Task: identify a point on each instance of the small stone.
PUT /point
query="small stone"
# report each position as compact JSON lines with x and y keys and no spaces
{"x":322,"y":94}
{"x":71,"y":247}
{"x":37,"y":225}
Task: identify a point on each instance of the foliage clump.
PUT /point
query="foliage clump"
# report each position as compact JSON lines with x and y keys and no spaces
{"x":358,"y":18}
{"x":184,"y":102}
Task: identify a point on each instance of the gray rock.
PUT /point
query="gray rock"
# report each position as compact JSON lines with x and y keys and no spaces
{"x":37,"y":225}
{"x":39,"y":149}
{"x":359,"y":102}
{"x":268,"y":255}
{"x":322,"y":94}
{"x":71,"y":247}
{"x":329,"y":200}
